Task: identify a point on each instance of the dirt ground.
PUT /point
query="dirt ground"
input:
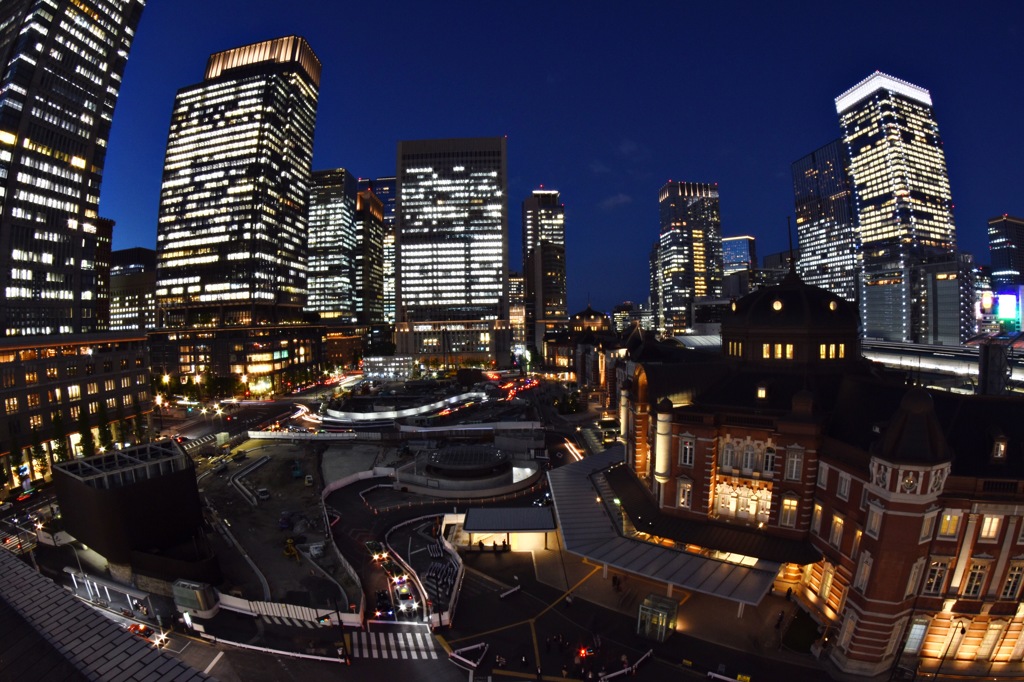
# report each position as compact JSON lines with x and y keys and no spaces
{"x":292,"y":511}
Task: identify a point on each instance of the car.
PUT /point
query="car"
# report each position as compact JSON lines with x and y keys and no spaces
{"x":384,"y":609}
{"x":263,"y":494}
{"x":220,"y":467}
{"x":309,"y":480}
{"x":140,"y":630}
{"x":6,"y":507}
{"x":284,"y":522}
{"x":406,"y":602}
{"x":377,"y":550}
{"x":396,"y":574}
{"x":238,"y":456}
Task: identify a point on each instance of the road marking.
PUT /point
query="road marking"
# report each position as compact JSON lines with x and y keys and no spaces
{"x":213,"y":663}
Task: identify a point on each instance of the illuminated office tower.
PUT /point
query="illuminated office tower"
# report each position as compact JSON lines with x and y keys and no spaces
{"x":903,"y":206}
{"x":60,"y":73}
{"x":517,"y":307}
{"x":231,"y":237}
{"x":689,"y":250}
{"x":1006,"y":247}
{"x":368,"y":260}
{"x":826,"y":224}
{"x":384,"y":189}
{"x":332,"y":245}
{"x":451,"y":247}
{"x":544,"y":265}
{"x":132,"y":289}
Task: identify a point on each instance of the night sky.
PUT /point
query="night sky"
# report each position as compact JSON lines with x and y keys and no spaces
{"x":602,"y":101}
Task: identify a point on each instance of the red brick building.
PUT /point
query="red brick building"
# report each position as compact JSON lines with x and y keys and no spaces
{"x":896,"y":515}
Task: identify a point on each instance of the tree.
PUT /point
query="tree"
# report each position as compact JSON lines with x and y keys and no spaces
{"x":106,"y":435}
{"x":140,"y":426}
{"x":86,"y":442}
{"x":38,"y":451}
{"x":60,"y":437}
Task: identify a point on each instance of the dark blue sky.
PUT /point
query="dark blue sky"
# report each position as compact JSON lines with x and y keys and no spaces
{"x":603,"y":101}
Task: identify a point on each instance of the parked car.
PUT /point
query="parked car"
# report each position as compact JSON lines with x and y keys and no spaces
{"x":140,"y":630}
{"x":263,"y":494}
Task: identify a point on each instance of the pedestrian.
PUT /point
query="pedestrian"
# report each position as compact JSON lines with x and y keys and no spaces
{"x":523,"y":662}
{"x":565,"y":671}
{"x":789,"y":594}
{"x":540,"y":676}
{"x":778,"y":623}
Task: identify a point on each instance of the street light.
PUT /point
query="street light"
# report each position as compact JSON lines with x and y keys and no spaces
{"x":963,"y":631}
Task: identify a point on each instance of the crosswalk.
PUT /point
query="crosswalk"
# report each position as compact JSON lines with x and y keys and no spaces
{"x":409,"y":645}
{"x":293,"y":622}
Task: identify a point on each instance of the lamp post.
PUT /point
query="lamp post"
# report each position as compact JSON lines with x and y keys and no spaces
{"x":963,"y":631}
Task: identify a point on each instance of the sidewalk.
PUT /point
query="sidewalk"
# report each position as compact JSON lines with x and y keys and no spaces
{"x":748,"y":644}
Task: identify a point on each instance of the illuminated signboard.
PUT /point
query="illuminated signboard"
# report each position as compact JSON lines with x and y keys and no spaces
{"x":1006,"y":306}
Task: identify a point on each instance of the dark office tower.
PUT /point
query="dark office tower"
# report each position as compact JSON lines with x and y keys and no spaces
{"x":332,"y":245}
{"x":369,"y":259}
{"x":231,"y":238}
{"x":902,"y":202}
{"x":384,"y":189}
{"x":1006,"y":247}
{"x":132,"y":289}
{"x":60,"y":73}
{"x":826,"y":223}
{"x":451,"y":246}
{"x":739,"y":254}
{"x":544,"y":265}
{"x":690,"y":249}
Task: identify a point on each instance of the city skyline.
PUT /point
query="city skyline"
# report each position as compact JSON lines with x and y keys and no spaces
{"x":606,"y":124}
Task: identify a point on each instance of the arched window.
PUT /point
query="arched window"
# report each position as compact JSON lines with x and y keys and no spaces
{"x":728,"y":456}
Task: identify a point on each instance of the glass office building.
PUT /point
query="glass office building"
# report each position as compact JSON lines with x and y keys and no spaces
{"x":826,"y":224}
{"x":903,"y":204}
{"x":544,"y":266}
{"x":232,"y":231}
{"x":60,"y":75}
{"x":689,"y":250}
{"x":332,"y":245}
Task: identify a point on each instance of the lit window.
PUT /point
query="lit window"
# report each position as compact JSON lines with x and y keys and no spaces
{"x":836,"y":535}
{"x":949,"y":525}
{"x":787,"y":515}
{"x":685,"y":497}
{"x":816,"y":518}
{"x":990,"y":527}
{"x":935,"y":580}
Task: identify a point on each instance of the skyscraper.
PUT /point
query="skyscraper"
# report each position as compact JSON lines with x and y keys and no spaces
{"x":231,"y":239}
{"x":384,"y":189}
{"x":903,"y":205}
{"x":739,"y":254}
{"x":368,"y":263}
{"x":544,"y":265}
{"x":132,"y":287}
{"x":1006,"y":247}
{"x":332,"y":245}
{"x":452,"y":251}
{"x":60,"y":74}
{"x":826,"y":224}
{"x":689,"y":249}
